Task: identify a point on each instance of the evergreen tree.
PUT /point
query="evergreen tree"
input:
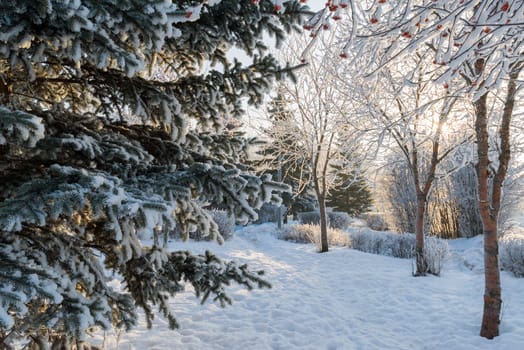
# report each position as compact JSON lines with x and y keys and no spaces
{"x":287,"y":165}
{"x":351,"y":194}
{"x":110,"y":129}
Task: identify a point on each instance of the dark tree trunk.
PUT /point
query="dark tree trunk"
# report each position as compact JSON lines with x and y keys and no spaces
{"x":323,"y":224}
{"x":492,"y":289}
{"x":421,"y":262}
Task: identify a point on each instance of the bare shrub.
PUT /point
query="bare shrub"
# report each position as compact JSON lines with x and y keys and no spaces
{"x":339,"y":220}
{"x":512,"y":253}
{"x":309,"y":218}
{"x":375,"y":221}
{"x":305,"y":233}
{"x":436,"y":251}
{"x":336,"y":219}
{"x":270,"y":212}
{"x":400,"y":246}
{"x":224,"y":221}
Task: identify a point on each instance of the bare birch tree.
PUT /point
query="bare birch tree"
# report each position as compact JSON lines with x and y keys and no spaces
{"x":417,"y":116}
{"x":322,"y":136}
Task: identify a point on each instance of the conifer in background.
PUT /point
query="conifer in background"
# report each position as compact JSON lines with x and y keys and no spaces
{"x":286,"y":162}
{"x":351,"y":194}
{"x":111,"y":130}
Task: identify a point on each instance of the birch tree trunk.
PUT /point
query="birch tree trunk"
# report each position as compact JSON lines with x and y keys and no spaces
{"x":489,"y":207}
{"x":492,"y":289}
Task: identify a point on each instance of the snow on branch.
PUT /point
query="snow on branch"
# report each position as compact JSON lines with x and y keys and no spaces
{"x":20,"y":128}
{"x":457,"y":33}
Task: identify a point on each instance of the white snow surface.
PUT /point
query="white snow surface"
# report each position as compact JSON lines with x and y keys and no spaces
{"x":343,"y":299}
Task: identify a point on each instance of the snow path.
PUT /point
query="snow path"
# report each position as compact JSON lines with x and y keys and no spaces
{"x":344,"y":299}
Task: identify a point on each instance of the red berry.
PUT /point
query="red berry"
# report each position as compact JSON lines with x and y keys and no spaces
{"x":373,"y":20}
{"x":444,"y":35}
{"x":337,"y":18}
{"x":303,"y":1}
{"x":446,"y":85}
{"x":505,"y":6}
{"x":277,"y":8}
{"x":307,"y":27}
{"x":486,"y":30}
{"x":312,"y":35}
{"x":254,"y":2}
{"x":189,"y":14}
{"x":439,"y":26}
{"x":382,"y":1}
{"x":343,"y":55}
{"x":406,"y":35}
{"x":343,"y":5}
{"x":325,"y":26}
{"x":333,"y":8}
{"x":417,"y":24}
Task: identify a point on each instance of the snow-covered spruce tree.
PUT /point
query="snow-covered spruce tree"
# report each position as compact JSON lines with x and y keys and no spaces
{"x":96,"y":148}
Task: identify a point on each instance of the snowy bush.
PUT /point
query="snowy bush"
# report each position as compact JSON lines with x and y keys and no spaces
{"x":375,"y":221}
{"x":225,"y":223}
{"x":436,"y":251}
{"x":309,"y":218}
{"x":339,"y":220}
{"x":452,"y":210}
{"x":269,"y":213}
{"x":400,"y":246}
{"x":336,"y":219}
{"x":512,"y":253}
{"x":383,"y":243}
{"x":306,"y":233}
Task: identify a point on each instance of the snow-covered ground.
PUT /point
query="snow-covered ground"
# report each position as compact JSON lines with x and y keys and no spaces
{"x":344,"y":299}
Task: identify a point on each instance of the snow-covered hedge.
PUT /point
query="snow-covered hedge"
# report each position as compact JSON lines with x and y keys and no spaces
{"x":304,"y":233}
{"x":269,"y":213}
{"x":336,"y":219}
{"x":375,"y":221}
{"x":225,"y":222}
{"x":339,"y":220}
{"x":309,"y":218}
{"x":512,"y":253}
{"x":400,"y":246}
